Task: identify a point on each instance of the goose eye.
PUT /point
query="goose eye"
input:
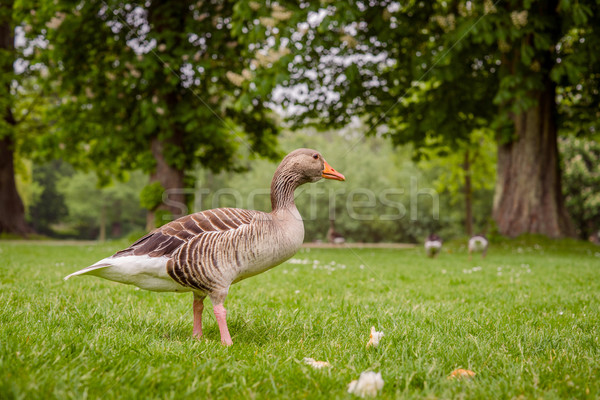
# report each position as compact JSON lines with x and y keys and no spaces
{"x":316,"y":156}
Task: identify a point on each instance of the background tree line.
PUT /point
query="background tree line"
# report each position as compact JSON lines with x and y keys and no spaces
{"x":178,"y":89}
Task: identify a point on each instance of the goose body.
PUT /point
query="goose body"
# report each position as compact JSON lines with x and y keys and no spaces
{"x":478,"y":243}
{"x":246,"y":243}
{"x":206,"y":252}
{"x":433,"y":245}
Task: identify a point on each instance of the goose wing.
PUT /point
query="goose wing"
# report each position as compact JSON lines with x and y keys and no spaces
{"x":164,"y":241}
{"x":150,"y":253}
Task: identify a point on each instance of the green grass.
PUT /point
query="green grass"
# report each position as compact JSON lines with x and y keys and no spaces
{"x":527,"y":322}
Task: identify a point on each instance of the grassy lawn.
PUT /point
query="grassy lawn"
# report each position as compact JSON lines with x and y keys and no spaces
{"x":526,"y":320}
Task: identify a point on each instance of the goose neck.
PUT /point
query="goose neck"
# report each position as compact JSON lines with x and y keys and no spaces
{"x":282,"y":191}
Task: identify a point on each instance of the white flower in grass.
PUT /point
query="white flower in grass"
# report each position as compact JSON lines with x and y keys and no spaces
{"x":316,"y":364}
{"x":368,"y":384}
{"x":374,"y":338}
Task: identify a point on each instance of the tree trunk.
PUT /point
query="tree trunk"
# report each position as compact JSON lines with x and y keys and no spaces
{"x":172,"y":180}
{"x":12,"y":212}
{"x":528,"y":196}
{"x":168,"y":16}
{"x":468,"y":195}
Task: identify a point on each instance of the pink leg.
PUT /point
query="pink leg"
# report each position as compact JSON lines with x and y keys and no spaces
{"x":221,"y":315}
{"x":198,"y":308}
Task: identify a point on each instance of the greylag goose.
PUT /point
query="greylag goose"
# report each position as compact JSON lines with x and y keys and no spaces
{"x":333,"y":236}
{"x":433,"y":245}
{"x":206,"y":252}
{"x":478,"y":243}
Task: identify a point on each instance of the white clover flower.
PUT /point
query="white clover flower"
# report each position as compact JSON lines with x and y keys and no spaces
{"x":316,"y":364}
{"x":374,"y":338}
{"x":368,"y":384}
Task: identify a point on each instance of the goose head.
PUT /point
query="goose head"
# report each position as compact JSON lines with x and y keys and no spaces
{"x":305,"y":166}
{"x":297,"y":168}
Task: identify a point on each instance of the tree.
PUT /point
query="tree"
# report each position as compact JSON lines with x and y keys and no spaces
{"x":98,"y":213}
{"x":157,"y":86}
{"x":49,"y":208}
{"x":462,"y":170}
{"x":446,"y":68}
{"x":12,"y":211}
{"x":581,"y":183}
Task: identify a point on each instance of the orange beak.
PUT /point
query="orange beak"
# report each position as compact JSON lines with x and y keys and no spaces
{"x":330,"y":173}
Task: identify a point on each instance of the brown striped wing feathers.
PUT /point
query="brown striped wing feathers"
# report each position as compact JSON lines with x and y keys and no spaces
{"x":164,"y":241}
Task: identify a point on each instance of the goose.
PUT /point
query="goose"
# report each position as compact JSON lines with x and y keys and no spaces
{"x":478,"y":243}
{"x":333,"y":236}
{"x":206,"y":252}
{"x":433,"y":245}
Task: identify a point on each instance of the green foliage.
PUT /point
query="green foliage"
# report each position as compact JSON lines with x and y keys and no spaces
{"x":581,"y":182}
{"x":449,"y":162}
{"x":7,"y":58}
{"x":151,"y":196}
{"x":449,"y":166}
{"x":28,"y":189}
{"x":117,"y":205}
{"x":426,"y":69}
{"x":123,"y":74}
{"x":71,"y":204}
{"x":49,"y":207}
{"x":161,"y":217}
{"x":525,"y":322}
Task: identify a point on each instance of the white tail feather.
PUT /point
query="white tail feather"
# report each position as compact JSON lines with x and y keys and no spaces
{"x":87,"y":270}
{"x":145,"y":272}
